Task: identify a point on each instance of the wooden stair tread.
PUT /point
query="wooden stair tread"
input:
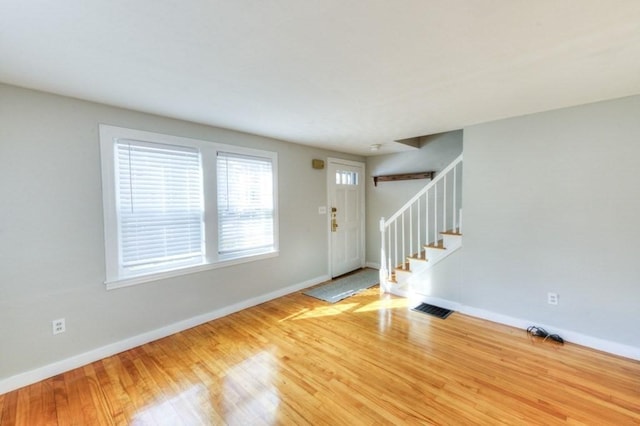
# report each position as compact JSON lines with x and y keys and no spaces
{"x":439,"y":245}
{"x":451,"y":232}
{"x":419,"y":259}
{"x":404,"y":267}
{"x":422,"y":256}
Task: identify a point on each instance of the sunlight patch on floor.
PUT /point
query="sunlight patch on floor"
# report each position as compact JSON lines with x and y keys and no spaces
{"x":250,"y":391}
{"x":191,"y":403}
{"x":384,"y":304}
{"x":249,"y":396}
{"x":324,"y":311}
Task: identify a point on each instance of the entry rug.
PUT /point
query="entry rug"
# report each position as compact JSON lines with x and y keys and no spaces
{"x":342,"y":288}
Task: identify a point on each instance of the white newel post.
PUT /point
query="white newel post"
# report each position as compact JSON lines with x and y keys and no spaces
{"x":383,"y":258}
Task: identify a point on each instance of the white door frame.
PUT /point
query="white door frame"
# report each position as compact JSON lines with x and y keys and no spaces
{"x":332,"y":160}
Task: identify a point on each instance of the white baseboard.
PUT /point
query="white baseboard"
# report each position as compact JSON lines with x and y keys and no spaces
{"x":416,"y":299}
{"x":608,"y":346}
{"x":44,"y":372}
{"x":50,"y":370}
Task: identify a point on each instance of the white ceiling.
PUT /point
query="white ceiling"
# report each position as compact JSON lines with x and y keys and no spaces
{"x":338,"y":74}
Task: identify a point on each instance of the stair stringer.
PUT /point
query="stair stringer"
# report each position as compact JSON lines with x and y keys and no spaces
{"x":408,"y":281}
{"x":438,"y":285}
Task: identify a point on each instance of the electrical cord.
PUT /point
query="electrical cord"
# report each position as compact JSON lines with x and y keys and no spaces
{"x":541,"y":332}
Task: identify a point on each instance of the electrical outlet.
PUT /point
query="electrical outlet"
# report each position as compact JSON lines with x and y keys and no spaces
{"x":552,"y":298}
{"x":58,"y":326}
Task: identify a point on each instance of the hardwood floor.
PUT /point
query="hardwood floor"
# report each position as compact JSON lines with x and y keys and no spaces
{"x":365,"y":360}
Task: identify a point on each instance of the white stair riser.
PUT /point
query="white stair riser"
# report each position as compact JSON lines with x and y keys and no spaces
{"x":416,"y":266}
{"x":435,"y":254}
{"x":402,"y":276}
{"x":452,"y":241}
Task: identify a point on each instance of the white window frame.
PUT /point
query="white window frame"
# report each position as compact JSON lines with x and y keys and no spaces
{"x":208,"y":150}
{"x":246,"y":202}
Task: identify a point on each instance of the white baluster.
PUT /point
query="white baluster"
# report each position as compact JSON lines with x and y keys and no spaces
{"x":418,"y":234}
{"x":454,"y":197}
{"x":410,"y":231}
{"x":383,"y":259}
{"x":403,"y":242}
{"x":444,"y":204}
{"x":426,"y":221}
{"x":435,"y":215}
{"x":389,"y":269}
{"x":395,"y":246}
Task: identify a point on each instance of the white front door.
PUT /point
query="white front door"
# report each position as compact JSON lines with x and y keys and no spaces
{"x":346,"y":215}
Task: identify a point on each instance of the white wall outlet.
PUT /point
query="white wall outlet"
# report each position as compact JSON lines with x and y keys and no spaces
{"x":552,"y":298}
{"x":322,"y":210}
{"x":58,"y":326}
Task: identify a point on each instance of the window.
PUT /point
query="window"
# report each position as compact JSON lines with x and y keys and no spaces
{"x":175,"y":205}
{"x":245,"y":204}
{"x":345,"y":177}
{"x":159,"y":199}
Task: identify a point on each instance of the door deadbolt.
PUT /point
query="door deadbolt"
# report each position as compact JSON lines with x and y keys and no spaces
{"x":334,"y":222}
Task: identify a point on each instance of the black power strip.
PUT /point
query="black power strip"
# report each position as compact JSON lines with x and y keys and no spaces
{"x":541,"y":332}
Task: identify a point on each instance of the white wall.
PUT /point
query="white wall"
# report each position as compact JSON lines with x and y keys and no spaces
{"x":52,"y":244}
{"x":552,"y":204}
{"x":436,"y":153}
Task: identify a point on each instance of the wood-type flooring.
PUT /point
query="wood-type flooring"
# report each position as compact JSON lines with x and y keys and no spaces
{"x":366,"y":360}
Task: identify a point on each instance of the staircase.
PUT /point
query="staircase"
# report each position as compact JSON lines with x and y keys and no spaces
{"x":426,"y":230}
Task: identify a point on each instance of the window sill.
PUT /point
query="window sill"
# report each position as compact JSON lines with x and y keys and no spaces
{"x":128,"y":282}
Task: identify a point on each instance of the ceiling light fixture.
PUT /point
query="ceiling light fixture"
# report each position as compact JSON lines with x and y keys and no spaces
{"x":375,"y":147}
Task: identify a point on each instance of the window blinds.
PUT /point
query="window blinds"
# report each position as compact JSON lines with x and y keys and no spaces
{"x":245,"y":204}
{"x":159,"y":197}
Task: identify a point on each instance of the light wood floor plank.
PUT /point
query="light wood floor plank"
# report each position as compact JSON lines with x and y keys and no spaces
{"x":8,"y":414}
{"x":365,"y":360}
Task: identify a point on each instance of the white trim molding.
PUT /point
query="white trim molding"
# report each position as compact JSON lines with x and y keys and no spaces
{"x":330,"y":179}
{"x":41,"y":373}
{"x":206,"y":153}
{"x":608,"y":346}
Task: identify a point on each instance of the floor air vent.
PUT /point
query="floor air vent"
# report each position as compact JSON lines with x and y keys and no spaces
{"x":436,"y":311}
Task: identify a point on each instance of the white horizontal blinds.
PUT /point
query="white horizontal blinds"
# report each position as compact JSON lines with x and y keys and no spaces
{"x":245,"y":204}
{"x":159,"y":196}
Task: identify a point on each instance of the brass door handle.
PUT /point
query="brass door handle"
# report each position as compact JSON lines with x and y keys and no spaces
{"x":334,"y":222}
